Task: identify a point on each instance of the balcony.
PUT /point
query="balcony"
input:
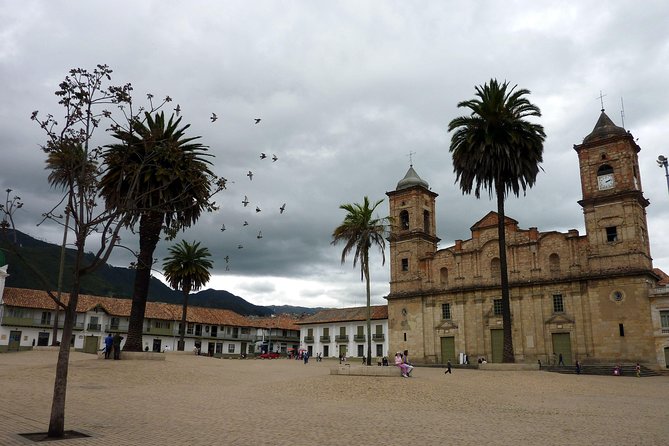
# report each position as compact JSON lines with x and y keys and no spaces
{"x":93,"y":327}
{"x":39,"y":323}
{"x":123,"y":328}
{"x":341,"y":338}
{"x":325,"y":339}
{"x":378,"y":337}
{"x":308,"y":339}
{"x":359,"y":338}
{"x":160,"y":331}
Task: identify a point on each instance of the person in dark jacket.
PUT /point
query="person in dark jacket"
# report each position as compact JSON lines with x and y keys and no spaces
{"x":117,"y":345}
{"x":109,"y":342}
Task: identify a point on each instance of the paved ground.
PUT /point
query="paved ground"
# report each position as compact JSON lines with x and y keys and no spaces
{"x":189,"y":400}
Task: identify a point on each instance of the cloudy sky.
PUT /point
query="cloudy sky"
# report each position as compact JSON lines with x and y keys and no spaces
{"x":345,"y":90}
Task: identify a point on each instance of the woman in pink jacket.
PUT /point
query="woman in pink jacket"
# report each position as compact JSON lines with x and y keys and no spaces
{"x":404,"y":368}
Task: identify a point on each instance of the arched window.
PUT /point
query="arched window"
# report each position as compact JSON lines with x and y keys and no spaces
{"x":495,"y":268}
{"x":604,"y":169}
{"x":554,"y":264}
{"x":426,"y":221}
{"x":443,"y":276}
{"x":404,"y":220}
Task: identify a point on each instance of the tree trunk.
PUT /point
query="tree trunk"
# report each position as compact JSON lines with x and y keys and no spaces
{"x":150,"y":226}
{"x":369,"y":317}
{"x":182,"y":332}
{"x":57,"y":420}
{"x":508,"y":355}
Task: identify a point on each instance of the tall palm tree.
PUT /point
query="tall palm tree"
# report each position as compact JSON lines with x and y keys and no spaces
{"x":497,"y":149}
{"x":187,"y":268}
{"x":359,"y":231}
{"x":170,"y":182}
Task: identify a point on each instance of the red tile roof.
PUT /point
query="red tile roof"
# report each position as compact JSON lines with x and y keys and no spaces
{"x":664,"y":278}
{"x":346,"y":314}
{"x":19,"y":297}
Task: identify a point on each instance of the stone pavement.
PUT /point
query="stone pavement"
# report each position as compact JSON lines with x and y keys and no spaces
{"x":190,"y":400}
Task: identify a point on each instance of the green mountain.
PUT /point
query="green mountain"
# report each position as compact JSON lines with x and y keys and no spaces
{"x":107,"y":280}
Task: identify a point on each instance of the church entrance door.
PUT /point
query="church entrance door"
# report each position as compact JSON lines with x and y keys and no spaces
{"x":562,"y":345}
{"x":448,"y":349}
{"x":497,"y":345}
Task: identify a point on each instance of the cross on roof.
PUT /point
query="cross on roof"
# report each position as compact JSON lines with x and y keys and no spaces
{"x":601,"y":98}
{"x":410,"y":155}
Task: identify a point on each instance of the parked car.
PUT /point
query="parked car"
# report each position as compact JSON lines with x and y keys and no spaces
{"x":270,"y":355}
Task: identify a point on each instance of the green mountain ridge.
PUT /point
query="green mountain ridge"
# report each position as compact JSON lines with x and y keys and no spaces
{"x":113,"y":281}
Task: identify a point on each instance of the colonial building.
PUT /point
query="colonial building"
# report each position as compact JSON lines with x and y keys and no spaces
{"x":591,"y":297}
{"x":27,"y":319}
{"x":342,"y":331}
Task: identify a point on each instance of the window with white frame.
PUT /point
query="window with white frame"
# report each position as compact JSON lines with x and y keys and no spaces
{"x":231,"y":348}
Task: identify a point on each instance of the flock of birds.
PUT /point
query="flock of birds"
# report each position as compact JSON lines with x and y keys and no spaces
{"x":245,"y":202}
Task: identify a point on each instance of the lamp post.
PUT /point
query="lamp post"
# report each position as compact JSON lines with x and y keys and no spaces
{"x":662,"y":162}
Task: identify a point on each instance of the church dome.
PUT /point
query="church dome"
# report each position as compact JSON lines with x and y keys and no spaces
{"x":605,"y":128}
{"x":411,"y":179}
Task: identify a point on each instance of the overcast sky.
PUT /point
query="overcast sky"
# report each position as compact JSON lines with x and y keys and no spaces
{"x":345,"y":91}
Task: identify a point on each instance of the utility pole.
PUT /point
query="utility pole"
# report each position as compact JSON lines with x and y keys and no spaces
{"x":662,"y":162}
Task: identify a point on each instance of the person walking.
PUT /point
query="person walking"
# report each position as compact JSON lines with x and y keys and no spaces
{"x":448,"y":367}
{"x":578,"y":367}
{"x":116,"y":341}
{"x":560,"y":360}
{"x":109,"y":342}
{"x":638,"y":370}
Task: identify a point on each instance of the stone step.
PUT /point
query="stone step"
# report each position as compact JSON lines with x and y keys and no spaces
{"x":601,"y":369}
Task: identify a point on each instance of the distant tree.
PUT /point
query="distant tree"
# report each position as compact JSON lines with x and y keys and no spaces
{"x":497,"y":149}
{"x":154,"y":155}
{"x":360,"y":231}
{"x":187,"y":269}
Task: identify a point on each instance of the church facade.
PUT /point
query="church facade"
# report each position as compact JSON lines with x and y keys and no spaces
{"x":590,"y":297}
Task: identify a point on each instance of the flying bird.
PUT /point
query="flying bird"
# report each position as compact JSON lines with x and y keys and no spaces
{"x":250,"y":175}
{"x":178,"y":109}
{"x":227,"y":259}
{"x":245,"y":201}
{"x":282,"y":208}
{"x":222,"y":228}
{"x":227,"y":267}
{"x":259,"y":234}
{"x":213,"y":117}
{"x":262,"y":156}
{"x":258,"y":120}
{"x":239,"y":246}
{"x":274,"y":158}
{"x":257,"y":209}
{"x":246,"y":223}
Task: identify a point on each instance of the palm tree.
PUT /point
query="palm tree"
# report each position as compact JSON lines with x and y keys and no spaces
{"x":360,"y":231}
{"x":187,"y":268}
{"x":170,"y":182}
{"x":497,"y":149}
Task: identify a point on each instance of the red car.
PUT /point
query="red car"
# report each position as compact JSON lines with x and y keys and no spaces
{"x":270,"y":355}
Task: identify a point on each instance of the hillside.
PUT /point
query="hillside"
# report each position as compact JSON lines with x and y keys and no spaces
{"x":111,"y":280}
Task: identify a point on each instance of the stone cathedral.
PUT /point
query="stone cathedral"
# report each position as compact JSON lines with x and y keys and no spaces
{"x":587,"y":297}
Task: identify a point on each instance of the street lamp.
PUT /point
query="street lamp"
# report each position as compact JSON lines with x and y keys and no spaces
{"x":662,"y":162}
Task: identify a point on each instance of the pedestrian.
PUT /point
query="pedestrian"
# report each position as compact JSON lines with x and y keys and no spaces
{"x":116,"y":340}
{"x":364,"y":360}
{"x":448,"y":367}
{"x":638,"y":370}
{"x":109,"y":342}
{"x":306,"y":357}
{"x":578,"y":367}
{"x":560,"y":361}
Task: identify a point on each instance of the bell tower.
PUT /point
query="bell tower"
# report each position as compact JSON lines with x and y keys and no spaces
{"x":613,"y":204}
{"x":413,"y":237}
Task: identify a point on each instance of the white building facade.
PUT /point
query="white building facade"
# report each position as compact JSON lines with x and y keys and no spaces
{"x":343,"y":332}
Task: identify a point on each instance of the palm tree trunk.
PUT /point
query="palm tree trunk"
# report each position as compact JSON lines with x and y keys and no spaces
{"x":182,"y":333}
{"x":150,"y":226}
{"x":369,"y":317}
{"x":508,"y":355}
